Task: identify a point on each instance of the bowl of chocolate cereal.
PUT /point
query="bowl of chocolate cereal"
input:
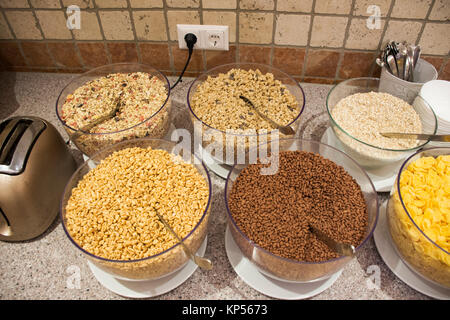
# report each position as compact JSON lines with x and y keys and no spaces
{"x":113,"y":103}
{"x":218,"y":102}
{"x":359,"y":112}
{"x":274,"y":206}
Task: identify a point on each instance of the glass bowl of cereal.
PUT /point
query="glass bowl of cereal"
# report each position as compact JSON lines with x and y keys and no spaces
{"x":418,"y":214}
{"x":274,"y":204}
{"x":359,"y":111}
{"x":109,"y":207}
{"x":113,"y":103}
{"x":229,"y":124}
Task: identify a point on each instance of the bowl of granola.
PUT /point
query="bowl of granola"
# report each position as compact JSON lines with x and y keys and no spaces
{"x":228,"y":124}
{"x":113,"y":103}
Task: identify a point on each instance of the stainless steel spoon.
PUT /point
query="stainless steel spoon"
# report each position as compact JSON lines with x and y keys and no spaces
{"x":417,"y":136}
{"x":287,"y":130}
{"x":340,"y":248}
{"x":203,"y":263}
{"x":97,"y":121}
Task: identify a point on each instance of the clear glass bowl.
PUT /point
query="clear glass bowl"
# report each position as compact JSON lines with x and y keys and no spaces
{"x":299,"y":271}
{"x":155,"y":126}
{"x":235,"y":141}
{"x":368,"y":155}
{"x":415,"y":248}
{"x":158,"y":265}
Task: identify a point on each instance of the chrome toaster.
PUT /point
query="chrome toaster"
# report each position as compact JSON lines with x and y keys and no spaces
{"x":35,"y":165}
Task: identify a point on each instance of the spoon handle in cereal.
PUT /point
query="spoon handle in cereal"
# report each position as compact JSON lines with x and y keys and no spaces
{"x":203,"y":263}
{"x":287,"y":130}
{"x":341,"y":248}
{"x":97,"y":121}
{"x":417,"y":136}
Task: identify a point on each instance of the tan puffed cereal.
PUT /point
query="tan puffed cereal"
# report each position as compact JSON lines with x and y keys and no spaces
{"x":111,"y":212}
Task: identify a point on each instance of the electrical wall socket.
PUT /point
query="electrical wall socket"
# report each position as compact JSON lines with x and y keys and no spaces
{"x":208,"y":36}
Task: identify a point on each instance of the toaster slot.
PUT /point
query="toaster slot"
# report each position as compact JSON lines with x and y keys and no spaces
{"x":12,"y":140}
{"x":17,"y":138}
{"x":6,"y":130}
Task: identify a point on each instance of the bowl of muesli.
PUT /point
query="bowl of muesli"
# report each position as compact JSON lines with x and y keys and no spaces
{"x":228,"y":125}
{"x":360,"y":111}
{"x":113,"y":103}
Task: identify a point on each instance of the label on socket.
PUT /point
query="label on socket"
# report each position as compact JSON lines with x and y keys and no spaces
{"x":210,"y":37}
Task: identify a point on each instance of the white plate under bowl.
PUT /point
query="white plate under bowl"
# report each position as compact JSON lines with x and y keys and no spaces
{"x":382,"y":178}
{"x":388,"y":253}
{"x":268,"y":286}
{"x":147,"y":288}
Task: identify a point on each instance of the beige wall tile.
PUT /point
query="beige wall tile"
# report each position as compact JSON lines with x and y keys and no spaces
{"x":440,"y":10}
{"x":23,"y":24}
{"x":45,"y":4}
{"x":116,"y":25}
{"x":53,"y":24}
{"x":219,"y":4}
{"x":256,"y":4}
{"x":183,"y":3}
{"x":361,"y":37}
{"x":286,"y":34}
{"x":150,"y":25}
{"x":5,"y":33}
{"x":146,"y":3}
{"x":416,"y":9}
{"x":333,"y":6}
{"x":328,"y":31}
{"x":360,"y":8}
{"x":175,"y":17}
{"x":89,"y":27}
{"x":255,"y":27}
{"x":111,"y":3}
{"x":434,"y":39}
{"x":14,"y":4}
{"x":223,"y":18}
{"x":83,"y":4}
{"x":402,"y":31}
{"x":294,"y":5}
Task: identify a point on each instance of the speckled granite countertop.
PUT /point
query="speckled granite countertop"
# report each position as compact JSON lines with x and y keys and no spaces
{"x":39,"y":269}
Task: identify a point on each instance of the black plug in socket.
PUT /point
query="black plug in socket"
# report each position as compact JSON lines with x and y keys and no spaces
{"x":190,"y":39}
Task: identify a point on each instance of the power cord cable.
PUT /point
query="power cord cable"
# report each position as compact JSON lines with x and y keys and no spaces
{"x":190,"y":39}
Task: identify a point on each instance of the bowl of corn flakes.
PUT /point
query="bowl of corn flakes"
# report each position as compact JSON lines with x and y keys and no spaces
{"x":418,"y":213}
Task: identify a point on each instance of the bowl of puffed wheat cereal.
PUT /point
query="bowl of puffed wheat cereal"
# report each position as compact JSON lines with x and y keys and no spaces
{"x":110,"y":205}
{"x":359,"y":111}
{"x":226,"y":119}
{"x":113,"y":103}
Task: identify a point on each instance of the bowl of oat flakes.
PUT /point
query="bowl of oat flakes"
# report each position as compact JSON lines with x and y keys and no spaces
{"x":359,"y":112}
{"x":223,"y":117}
{"x":113,"y":103}
{"x":108,"y":210}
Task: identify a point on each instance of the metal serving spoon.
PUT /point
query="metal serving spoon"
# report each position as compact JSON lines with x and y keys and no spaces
{"x":417,"y":136}
{"x":287,"y":130}
{"x":97,"y":121}
{"x":203,"y":263}
{"x":340,"y":248}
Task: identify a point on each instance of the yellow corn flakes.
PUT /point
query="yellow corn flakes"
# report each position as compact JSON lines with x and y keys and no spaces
{"x":427,"y":179}
{"x":425,"y":191}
